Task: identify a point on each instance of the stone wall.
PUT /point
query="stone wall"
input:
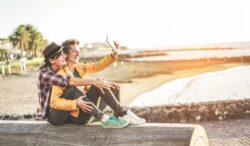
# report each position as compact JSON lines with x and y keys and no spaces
{"x":183,"y":113}
{"x":219,"y":110}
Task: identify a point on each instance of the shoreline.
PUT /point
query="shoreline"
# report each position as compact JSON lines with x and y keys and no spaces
{"x":19,"y":93}
{"x":130,"y":91}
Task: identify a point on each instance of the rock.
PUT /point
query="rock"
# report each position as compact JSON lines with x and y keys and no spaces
{"x":15,"y":117}
{"x":247,"y":114}
{"x":27,"y":116}
{"x":192,"y":114}
{"x":6,"y":117}
{"x":220,"y":118}
{"x":174,"y":116}
{"x":183,"y":116}
{"x":240,"y":112}
{"x":231,"y":111}
{"x":154,"y":116}
{"x":37,"y":117}
{"x":211,"y":115}
{"x":198,"y":118}
{"x":163,"y":115}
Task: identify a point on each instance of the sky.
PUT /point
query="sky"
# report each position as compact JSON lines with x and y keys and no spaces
{"x":133,"y":23}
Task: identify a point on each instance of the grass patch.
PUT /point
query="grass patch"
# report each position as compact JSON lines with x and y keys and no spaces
{"x":16,"y":65}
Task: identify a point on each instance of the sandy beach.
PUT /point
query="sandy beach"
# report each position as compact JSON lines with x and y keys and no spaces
{"x":19,"y":92}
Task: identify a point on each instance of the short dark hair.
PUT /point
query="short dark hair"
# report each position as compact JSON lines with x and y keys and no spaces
{"x":68,"y":43}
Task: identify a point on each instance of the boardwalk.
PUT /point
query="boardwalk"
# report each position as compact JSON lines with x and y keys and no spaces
{"x":228,"y":133}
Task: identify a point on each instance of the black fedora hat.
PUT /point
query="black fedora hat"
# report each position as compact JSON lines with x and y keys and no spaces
{"x":52,"y":50}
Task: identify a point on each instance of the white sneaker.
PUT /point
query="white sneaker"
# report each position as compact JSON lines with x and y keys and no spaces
{"x":132,"y":118}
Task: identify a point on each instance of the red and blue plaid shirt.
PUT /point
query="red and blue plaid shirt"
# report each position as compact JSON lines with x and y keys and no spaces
{"x":46,"y":78}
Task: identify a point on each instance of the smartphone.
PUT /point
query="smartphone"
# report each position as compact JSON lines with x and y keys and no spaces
{"x":110,"y":42}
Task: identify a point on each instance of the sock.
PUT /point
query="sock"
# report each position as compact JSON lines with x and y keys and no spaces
{"x":105,"y":118}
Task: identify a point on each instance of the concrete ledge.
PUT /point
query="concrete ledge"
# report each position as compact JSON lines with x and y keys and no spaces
{"x":42,"y":133}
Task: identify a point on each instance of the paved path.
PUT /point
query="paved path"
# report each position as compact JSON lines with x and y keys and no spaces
{"x":228,"y":133}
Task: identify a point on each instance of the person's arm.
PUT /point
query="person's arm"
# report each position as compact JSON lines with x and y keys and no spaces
{"x":102,"y":64}
{"x":97,"y":66}
{"x":69,"y":105}
{"x":81,"y":81}
{"x":50,"y":77}
{"x":56,"y":102}
{"x":60,"y":103}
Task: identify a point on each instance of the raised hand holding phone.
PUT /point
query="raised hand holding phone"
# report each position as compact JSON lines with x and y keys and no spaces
{"x":114,"y":45}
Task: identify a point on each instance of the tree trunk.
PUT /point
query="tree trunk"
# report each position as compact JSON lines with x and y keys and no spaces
{"x":35,"y":51}
{"x":7,"y":57}
{"x":21,"y":44}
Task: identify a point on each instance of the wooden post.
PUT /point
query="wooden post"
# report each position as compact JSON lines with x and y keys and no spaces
{"x":9,"y":69}
{"x":23,"y":65}
{"x":3,"y":70}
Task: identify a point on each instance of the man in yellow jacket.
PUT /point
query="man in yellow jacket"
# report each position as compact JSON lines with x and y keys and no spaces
{"x":64,"y":107}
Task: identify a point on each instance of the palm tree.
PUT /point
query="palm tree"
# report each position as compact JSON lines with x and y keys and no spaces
{"x":28,"y":38}
{"x":36,"y":40}
{"x":35,"y":37}
{"x":13,"y":40}
{"x":20,"y":37}
{"x":40,"y":45}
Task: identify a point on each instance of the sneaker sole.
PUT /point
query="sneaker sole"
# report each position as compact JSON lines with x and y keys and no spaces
{"x":109,"y":126}
{"x":132,"y":123}
{"x":137,"y":123}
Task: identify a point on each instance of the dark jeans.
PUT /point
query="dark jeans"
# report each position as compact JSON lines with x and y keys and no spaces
{"x":99,"y":100}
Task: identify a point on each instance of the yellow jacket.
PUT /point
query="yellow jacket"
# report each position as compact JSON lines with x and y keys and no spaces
{"x":56,"y":102}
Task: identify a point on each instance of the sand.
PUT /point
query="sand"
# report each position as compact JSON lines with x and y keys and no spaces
{"x":18,"y":93}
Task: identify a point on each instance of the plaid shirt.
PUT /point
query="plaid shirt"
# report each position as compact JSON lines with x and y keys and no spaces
{"x":46,"y":79}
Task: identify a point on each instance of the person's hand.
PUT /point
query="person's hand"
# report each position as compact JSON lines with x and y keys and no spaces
{"x":114,"y":85}
{"x":115,"y":50}
{"x":84,"y":105}
{"x":101,"y":83}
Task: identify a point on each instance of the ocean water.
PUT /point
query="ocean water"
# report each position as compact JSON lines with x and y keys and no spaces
{"x":228,"y":84}
{"x":196,"y":54}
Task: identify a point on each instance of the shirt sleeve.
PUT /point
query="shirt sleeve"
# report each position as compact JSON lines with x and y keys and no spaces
{"x":56,"y":102}
{"x":50,"y":77}
{"x":97,"y":66}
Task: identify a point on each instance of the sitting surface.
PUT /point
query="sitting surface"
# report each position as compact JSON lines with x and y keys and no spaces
{"x":42,"y":133}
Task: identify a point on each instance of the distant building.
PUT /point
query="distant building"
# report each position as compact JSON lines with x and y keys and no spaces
{"x":99,"y":46}
{"x":5,"y":44}
{"x":7,"y":51}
